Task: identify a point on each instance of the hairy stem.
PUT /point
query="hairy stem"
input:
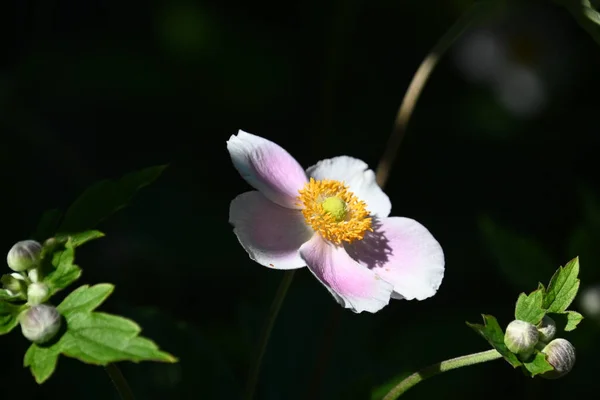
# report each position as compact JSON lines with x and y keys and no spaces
{"x":435,"y":369}
{"x":117,"y":378}
{"x":266,"y":333}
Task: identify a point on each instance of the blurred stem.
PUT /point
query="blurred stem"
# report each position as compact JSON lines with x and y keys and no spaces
{"x":478,"y":10}
{"x":117,"y":378}
{"x":266,"y":333}
{"x":435,"y":369}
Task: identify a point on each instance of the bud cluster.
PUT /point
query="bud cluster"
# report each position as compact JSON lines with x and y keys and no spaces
{"x":40,"y":322}
{"x":523,"y":338}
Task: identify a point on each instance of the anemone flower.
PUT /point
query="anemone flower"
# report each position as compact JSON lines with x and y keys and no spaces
{"x":332,"y":218}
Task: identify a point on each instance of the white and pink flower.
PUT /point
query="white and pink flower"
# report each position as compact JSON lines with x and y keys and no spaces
{"x":333,"y":218}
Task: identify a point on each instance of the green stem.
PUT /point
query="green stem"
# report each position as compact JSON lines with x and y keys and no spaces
{"x":478,"y":10}
{"x":435,"y":369}
{"x":266,"y":333}
{"x":117,"y":378}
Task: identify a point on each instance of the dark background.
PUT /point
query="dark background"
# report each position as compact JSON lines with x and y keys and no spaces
{"x":95,"y":89}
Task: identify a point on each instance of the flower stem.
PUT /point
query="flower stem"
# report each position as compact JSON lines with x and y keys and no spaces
{"x":438,"y":368}
{"x":474,"y":13}
{"x":266,"y":333}
{"x":117,"y":378}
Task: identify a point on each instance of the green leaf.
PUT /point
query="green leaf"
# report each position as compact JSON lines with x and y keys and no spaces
{"x":9,"y":316}
{"x":537,"y":365}
{"x":563,"y":287}
{"x":93,"y":337}
{"x":98,"y":338}
{"x":529,"y":308}
{"x":586,"y":13}
{"x":573,"y":319}
{"x":6,"y":295}
{"x":41,"y":361}
{"x":492,"y":332}
{"x":77,"y":239}
{"x":47,"y":225}
{"x":519,"y":257}
{"x":85,"y":299}
{"x":105,"y":198}
{"x":65,"y":272}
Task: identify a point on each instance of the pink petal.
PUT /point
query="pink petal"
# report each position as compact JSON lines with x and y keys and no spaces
{"x":404,"y":253}
{"x":360,"y":179}
{"x":267,"y":167}
{"x":351,"y":284}
{"x":271,"y":234}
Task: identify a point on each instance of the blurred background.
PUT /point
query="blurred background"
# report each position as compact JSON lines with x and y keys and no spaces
{"x":499,"y":162}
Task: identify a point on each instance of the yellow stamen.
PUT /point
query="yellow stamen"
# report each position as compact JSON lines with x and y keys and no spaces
{"x":333,"y":211}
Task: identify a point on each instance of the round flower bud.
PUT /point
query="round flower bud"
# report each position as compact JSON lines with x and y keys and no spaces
{"x":40,"y":323}
{"x":37,"y":293}
{"x":24,"y":255}
{"x":560,"y":353}
{"x":521,"y":337}
{"x":547,"y":329}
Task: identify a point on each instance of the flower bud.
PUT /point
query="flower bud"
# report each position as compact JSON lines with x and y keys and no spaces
{"x":34,"y":275}
{"x":37,"y":293}
{"x":547,"y":329}
{"x":40,"y":323}
{"x":24,"y":255}
{"x":560,"y":353}
{"x":521,"y":337}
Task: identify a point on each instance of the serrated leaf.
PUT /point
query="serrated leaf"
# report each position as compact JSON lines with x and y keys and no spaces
{"x":520,"y":258}
{"x":587,"y":15}
{"x":573,"y":319}
{"x":99,"y":338}
{"x":492,"y":332}
{"x":529,"y":307}
{"x":105,"y":198}
{"x":41,"y":361}
{"x":563,"y":288}
{"x":9,"y":316}
{"x":85,"y":299}
{"x":47,"y":225}
{"x":537,"y":365}
{"x":65,"y":272}
{"x":93,"y":337}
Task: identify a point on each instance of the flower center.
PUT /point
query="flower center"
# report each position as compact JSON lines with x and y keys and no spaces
{"x":333,"y":211}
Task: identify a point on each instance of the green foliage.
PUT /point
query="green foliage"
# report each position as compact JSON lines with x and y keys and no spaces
{"x":529,"y":308}
{"x":9,"y":316}
{"x":64,"y":272}
{"x":491,"y":331}
{"x":537,"y":364}
{"x":532,"y":308}
{"x":93,"y":337}
{"x":586,"y":13}
{"x":573,"y":319}
{"x":563,"y":287}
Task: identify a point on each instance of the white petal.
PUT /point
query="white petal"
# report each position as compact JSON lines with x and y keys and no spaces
{"x":351,"y":284}
{"x":271,"y":234}
{"x":359,"y":178}
{"x":267,"y":167}
{"x":404,"y":253}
